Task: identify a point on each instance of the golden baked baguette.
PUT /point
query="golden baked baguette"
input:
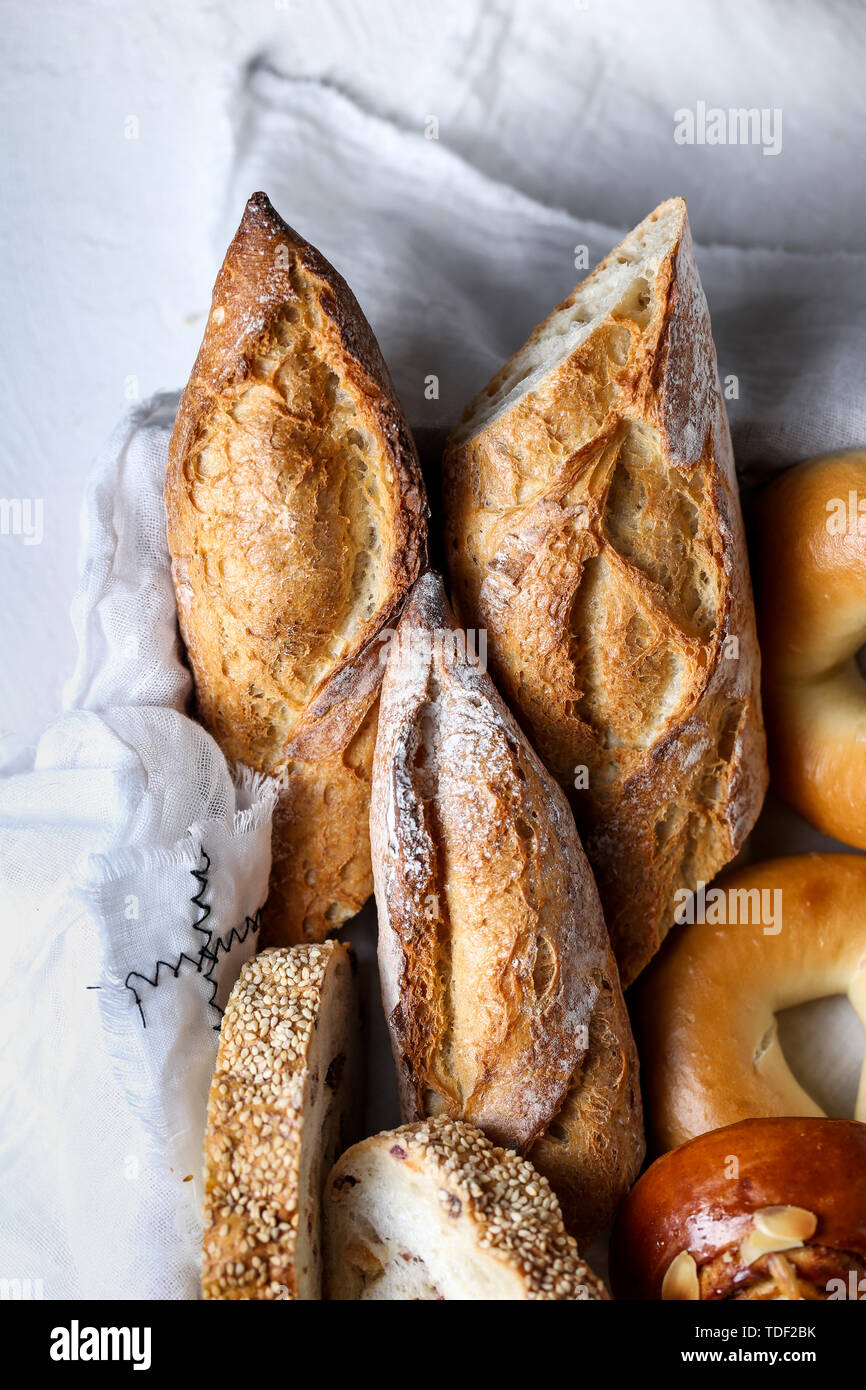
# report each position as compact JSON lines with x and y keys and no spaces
{"x":434,"y":1212}
{"x":283,"y":1104}
{"x":500,"y":988}
{"x":593,"y":528}
{"x":297,"y":525}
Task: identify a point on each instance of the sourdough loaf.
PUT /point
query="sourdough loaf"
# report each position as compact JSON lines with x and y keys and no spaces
{"x":593,"y":528}
{"x":296,"y":524}
{"x":500,"y":988}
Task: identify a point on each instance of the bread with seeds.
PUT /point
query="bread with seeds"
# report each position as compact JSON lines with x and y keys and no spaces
{"x":499,"y":984}
{"x":593,"y":529}
{"x":283,"y":1103}
{"x":434,"y":1211}
{"x":296,"y":525}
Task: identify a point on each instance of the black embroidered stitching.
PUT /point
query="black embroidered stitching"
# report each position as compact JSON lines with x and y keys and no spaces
{"x":139,"y":975}
{"x":237,"y":934}
{"x":200,"y":876}
{"x":210,"y":950}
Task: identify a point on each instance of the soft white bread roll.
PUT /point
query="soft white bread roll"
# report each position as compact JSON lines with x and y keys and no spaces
{"x":296,"y":525}
{"x":282,"y":1105}
{"x":812,"y":618}
{"x":500,"y":988}
{"x":593,"y":528}
{"x":433,"y":1211}
{"x":774,"y":935}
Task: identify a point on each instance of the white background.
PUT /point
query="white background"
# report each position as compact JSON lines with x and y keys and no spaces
{"x":110,"y":244}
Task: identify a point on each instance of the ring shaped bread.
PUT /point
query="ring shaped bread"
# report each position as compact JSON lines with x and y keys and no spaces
{"x":433,"y":1211}
{"x":283,"y":1103}
{"x":705,"y":1014}
{"x":812,"y":616}
{"x":762,"y":1210}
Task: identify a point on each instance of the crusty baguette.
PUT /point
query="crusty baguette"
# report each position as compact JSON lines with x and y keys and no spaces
{"x":296,"y":524}
{"x":499,"y":984}
{"x":593,"y":528}
{"x":433,"y":1211}
{"x":283,"y":1103}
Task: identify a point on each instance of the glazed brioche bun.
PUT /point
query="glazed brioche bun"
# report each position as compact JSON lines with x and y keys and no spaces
{"x":762,"y":1210}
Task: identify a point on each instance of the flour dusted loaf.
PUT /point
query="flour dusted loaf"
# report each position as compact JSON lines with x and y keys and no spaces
{"x":593,"y":528}
{"x":500,"y":988}
{"x":283,"y":1103}
{"x":433,"y":1211}
{"x":296,"y":524}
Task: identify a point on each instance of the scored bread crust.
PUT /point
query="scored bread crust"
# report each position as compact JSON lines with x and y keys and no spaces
{"x":593,"y":527}
{"x":297,"y":525}
{"x":702,"y":1199}
{"x":499,"y":985}
{"x":283,"y":1103}
{"x":495,"y":1219}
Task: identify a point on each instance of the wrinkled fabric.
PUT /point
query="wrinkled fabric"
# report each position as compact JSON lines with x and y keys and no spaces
{"x":132,"y":868}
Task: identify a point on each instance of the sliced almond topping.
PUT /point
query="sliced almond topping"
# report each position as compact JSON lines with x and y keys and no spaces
{"x":792,"y":1223}
{"x":681,"y":1279}
{"x":758,"y":1243}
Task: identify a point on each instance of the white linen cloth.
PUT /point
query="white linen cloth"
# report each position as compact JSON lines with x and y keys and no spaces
{"x":128,"y":800}
{"x":131,"y":871}
{"x":453,"y":269}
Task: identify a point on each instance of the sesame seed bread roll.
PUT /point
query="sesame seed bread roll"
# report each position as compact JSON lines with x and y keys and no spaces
{"x":296,"y":525}
{"x":282,"y":1105}
{"x":498,"y":980}
{"x":593,"y":528}
{"x":434,"y":1211}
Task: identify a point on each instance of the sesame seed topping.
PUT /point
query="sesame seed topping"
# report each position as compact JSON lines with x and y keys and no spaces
{"x":511,"y":1207}
{"x":253,"y":1141}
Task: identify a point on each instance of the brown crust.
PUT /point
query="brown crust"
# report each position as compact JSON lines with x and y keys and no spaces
{"x":692,"y":1200}
{"x":261,"y":1097}
{"x":593,"y":528}
{"x":812,"y":601}
{"x":799,"y":934}
{"x":500,"y":987}
{"x":297,"y":525}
